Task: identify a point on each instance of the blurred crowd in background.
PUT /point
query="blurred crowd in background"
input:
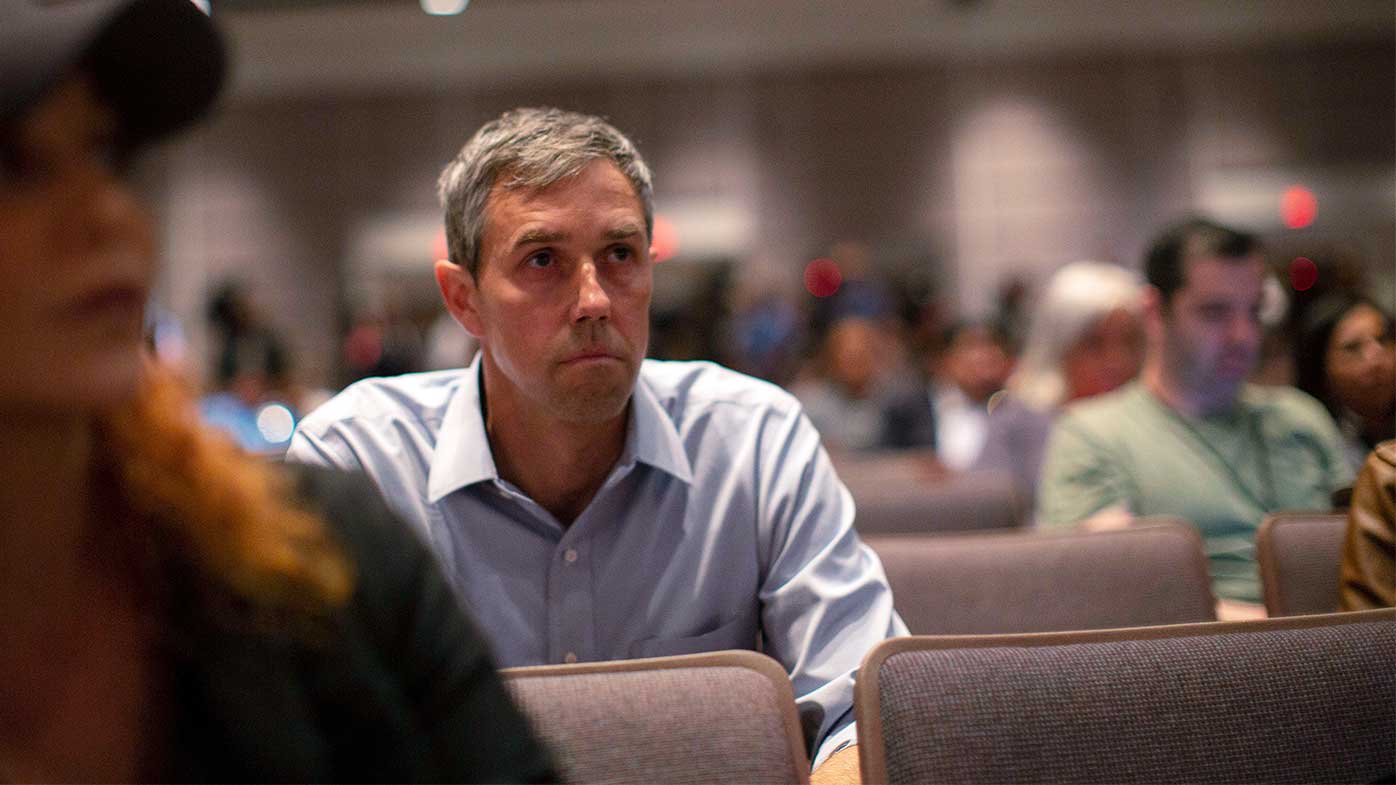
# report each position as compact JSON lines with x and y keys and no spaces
{"x":880,"y":361}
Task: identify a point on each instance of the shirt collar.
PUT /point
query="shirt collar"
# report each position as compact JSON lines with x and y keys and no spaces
{"x":463,"y":454}
{"x":652,"y":438}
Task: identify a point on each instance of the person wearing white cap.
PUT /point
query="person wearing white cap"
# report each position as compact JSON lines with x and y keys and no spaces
{"x":168,"y":612}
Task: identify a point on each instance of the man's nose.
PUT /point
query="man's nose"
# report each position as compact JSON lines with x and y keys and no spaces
{"x":592,"y":300}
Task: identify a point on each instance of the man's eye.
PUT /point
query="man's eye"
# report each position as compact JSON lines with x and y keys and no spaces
{"x":540,"y":261}
{"x":622,"y":253}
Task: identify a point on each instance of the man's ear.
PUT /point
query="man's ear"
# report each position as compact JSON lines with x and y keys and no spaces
{"x":1154,"y":309}
{"x":459,"y":293}
{"x":1151,"y":300}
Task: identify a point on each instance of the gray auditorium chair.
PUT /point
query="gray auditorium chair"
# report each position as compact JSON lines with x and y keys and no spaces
{"x":897,"y":494}
{"x":721,"y":717}
{"x":1299,"y":554}
{"x":1032,"y":581}
{"x":1303,"y":699}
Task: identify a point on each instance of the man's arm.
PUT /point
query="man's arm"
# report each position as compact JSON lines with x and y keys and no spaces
{"x":824,"y":597}
{"x":1080,"y":479}
{"x":313,"y":450}
{"x":841,"y":768}
{"x":1368,"y":572}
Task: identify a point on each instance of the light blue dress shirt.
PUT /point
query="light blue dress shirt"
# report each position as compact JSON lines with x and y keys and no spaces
{"x":722,"y":526}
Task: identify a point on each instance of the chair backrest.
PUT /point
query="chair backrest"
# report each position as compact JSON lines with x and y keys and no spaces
{"x":719,"y":717}
{"x":1303,"y":699}
{"x":892,"y":496}
{"x":1299,"y":554}
{"x":1029,"y":581}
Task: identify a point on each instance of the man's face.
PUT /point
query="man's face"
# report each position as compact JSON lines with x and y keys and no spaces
{"x":1211,"y":329}
{"x":977,"y":363}
{"x":561,"y":300}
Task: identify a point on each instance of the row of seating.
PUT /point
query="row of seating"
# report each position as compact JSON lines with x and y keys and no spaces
{"x":1301,"y":699}
{"x":1154,"y":572}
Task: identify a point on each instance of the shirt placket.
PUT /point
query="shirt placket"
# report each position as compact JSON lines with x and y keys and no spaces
{"x":571,"y":633}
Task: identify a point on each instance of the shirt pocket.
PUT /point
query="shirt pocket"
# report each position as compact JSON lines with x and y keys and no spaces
{"x":738,"y":634}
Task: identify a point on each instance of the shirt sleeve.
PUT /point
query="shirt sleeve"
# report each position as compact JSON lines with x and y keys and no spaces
{"x":1079,"y":477}
{"x":1369,"y":567}
{"x":824,"y":598}
{"x":313,"y":449}
{"x":1335,"y":455}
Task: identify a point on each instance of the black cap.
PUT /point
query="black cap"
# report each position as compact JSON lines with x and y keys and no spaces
{"x":158,"y":63}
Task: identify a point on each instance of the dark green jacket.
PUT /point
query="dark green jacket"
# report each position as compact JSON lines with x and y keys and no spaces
{"x":400,"y":687}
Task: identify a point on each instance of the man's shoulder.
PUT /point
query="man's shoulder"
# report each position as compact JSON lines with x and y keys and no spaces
{"x":1104,"y":413}
{"x":388,"y":400}
{"x":688,"y":387}
{"x":1385,"y":453}
{"x":1283,"y":402}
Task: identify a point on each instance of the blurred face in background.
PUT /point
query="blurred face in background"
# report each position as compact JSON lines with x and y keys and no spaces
{"x":561,"y":304}
{"x":854,"y":351}
{"x":1107,"y":356}
{"x":976,"y":363}
{"x":77,"y":253}
{"x":1211,"y":330}
{"x":1361,"y":363}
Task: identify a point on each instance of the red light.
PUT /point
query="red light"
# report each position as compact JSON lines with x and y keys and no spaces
{"x":1298,"y":207}
{"x":1303,"y":274}
{"x":822,"y":277}
{"x":665,"y":242}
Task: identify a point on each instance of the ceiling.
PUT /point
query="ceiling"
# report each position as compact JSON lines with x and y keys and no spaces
{"x":298,"y":46}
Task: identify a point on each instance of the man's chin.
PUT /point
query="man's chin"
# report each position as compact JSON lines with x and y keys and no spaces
{"x":594,"y":400}
{"x":592,"y":410}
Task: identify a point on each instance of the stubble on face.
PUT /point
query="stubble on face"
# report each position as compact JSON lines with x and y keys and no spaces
{"x":566,"y":318}
{"x":1213,"y":334}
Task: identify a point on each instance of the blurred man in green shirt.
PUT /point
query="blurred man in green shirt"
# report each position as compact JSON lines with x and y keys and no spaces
{"x":1190,"y":437}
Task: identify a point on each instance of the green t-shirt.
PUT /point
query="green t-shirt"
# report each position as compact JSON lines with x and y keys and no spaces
{"x":1276,"y":449}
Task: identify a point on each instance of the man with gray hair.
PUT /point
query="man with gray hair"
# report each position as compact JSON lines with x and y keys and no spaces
{"x":587,"y":503}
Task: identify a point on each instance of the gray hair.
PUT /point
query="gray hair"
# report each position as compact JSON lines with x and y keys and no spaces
{"x":1077,"y":297}
{"x":529,"y":148}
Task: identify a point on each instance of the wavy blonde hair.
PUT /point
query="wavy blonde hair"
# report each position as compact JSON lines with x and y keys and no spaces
{"x":227,"y":513}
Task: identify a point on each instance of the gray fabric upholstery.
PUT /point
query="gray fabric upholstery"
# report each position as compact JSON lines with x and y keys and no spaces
{"x":899,"y":495}
{"x":689,"y":725}
{"x":1038,"y":582}
{"x":1299,"y":555}
{"x":1312,"y":705}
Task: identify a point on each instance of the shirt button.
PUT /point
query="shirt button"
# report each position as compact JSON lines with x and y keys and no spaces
{"x":569,"y":555}
{"x":570,"y":658}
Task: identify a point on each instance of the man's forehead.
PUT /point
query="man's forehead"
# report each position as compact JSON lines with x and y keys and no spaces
{"x":1213,"y":272}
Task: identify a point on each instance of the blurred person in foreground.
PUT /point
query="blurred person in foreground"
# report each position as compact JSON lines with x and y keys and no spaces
{"x":852,"y":398}
{"x":1345,"y":356}
{"x":1085,"y":338}
{"x":1368,"y":571}
{"x":1191,"y":438}
{"x":974,"y":363}
{"x":167,"y":611}
{"x":589,"y":504}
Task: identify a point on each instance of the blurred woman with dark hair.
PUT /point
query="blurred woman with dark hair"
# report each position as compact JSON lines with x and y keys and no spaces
{"x":167,"y":610}
{"x":1345,"y":356}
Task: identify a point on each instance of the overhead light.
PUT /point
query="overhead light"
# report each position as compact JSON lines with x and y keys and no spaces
{"x":444,"y":7}
{"x":203,"y":5}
